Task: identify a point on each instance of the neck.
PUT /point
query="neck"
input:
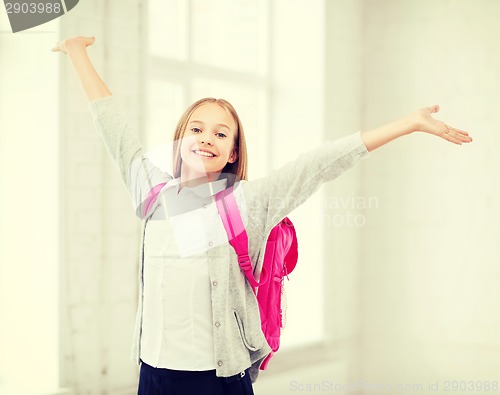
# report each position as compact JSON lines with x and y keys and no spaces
{"x":190,"y":179}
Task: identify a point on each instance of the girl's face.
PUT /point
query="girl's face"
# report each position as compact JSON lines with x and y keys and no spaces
{"x":208,"y":142}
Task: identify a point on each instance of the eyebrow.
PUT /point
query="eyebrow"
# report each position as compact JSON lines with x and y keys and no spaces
{"x":219,"y":124}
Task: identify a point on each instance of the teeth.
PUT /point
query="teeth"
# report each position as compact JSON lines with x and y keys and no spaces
{"x":203,"y":153}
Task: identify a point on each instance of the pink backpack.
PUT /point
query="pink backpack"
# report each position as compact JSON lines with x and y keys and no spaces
{"x":279,"y":260}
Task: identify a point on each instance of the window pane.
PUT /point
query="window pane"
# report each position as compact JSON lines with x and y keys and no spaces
{"x":251,"y":105}
{"x":229,"y":36}
{"x":166,"y":103}
{"x":167,"y":28}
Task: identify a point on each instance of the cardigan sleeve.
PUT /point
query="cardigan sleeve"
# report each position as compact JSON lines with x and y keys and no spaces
{"x":137,"y":172}
{"x":273,"y":197}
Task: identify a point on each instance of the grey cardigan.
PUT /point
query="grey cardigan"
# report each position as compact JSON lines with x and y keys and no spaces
{"x":238,"y":339}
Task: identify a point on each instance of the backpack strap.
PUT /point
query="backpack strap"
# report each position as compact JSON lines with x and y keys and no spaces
{"x":151,"y":198}
{"x":292,"y":254}
{"x":237,"y":235}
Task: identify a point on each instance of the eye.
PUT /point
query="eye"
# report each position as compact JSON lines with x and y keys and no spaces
{"x":220,"y":134}
{"x":194,"y":130}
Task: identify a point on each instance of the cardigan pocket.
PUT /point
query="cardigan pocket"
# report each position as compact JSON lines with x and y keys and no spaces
{"x":249,"y":343}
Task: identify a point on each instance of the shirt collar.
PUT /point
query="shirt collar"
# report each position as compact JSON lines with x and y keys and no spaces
{"x":203,"y":190}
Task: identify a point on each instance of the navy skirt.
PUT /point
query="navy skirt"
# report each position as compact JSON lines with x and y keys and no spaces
{"x":160,"y":381}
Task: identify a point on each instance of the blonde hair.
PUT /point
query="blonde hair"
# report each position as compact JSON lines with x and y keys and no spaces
{"x":239,"y":167}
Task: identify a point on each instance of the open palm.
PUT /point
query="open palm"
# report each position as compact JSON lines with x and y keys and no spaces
{"x":426,"y":123}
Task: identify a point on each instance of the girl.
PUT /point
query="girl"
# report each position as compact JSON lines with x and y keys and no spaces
{"x":198,"y":328}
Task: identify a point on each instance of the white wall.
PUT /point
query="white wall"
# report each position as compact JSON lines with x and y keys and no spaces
{"x":29,"y":213}
{"x":429,"y":275}
{"x":343,"y":222}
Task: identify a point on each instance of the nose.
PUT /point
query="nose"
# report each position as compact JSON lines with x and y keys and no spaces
{"x":207,"y":138}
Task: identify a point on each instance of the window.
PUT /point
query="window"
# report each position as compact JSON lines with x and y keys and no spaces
{"x":247,"y":53}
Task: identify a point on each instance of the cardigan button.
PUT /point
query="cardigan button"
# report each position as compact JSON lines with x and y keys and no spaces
{"x":217,"y":324}
{"x":219,"y":363}
{"x":210,"y":244}
{"x":204,"y":206}
{"x":214,"y":283}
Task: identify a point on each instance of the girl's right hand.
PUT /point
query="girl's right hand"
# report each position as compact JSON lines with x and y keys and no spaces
{"x":64,"y":45}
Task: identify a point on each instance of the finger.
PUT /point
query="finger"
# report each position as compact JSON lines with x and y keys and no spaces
{"x":458,"y":130}
{"x":433,"y":109}
{"x":460,"y":134}
{"x":465,"y":139}
{"x":448,"y":135}
{"x":454,"y":140}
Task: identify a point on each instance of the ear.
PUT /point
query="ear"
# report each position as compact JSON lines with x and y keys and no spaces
{"x":233,"y":157}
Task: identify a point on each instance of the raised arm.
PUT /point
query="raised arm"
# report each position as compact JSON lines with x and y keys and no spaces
{"x":418,"y":121}
{"x":138,"y":173}
{"x":76,"y":48}
{"x":289,"y":186}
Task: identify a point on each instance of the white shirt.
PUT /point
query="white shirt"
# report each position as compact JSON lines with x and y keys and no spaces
{"x":177,"y":328}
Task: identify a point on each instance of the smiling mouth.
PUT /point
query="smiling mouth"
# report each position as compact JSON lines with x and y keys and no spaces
{"x":204,"y":154}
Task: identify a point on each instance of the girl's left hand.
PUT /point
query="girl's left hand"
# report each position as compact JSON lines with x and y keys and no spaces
{"x":424,"y":122}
